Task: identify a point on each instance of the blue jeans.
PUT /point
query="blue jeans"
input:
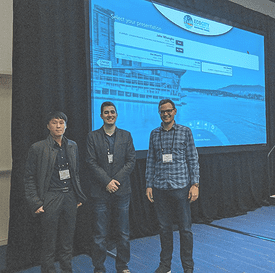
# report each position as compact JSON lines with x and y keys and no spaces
{"x":167,"y":204}
{"x":102,"y":209}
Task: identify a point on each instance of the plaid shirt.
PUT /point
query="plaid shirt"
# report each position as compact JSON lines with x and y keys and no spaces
{"x":183,"y":169}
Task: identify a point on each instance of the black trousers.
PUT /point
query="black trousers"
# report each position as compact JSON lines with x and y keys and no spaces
{"x":58,"y":219}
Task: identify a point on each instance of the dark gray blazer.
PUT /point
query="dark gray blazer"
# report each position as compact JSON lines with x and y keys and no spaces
{"x":39,"y":169}
{"x":103,"y":172}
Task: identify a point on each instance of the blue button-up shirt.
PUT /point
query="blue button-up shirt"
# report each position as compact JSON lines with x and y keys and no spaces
{"x":184,"y":168}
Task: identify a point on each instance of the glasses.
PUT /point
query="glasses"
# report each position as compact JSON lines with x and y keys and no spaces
{"x":168,"y":111}
{"x":107,"y":112}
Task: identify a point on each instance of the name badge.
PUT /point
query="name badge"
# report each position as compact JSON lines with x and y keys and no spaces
{"x":167,"y":158}
{"x":110,"y":158}
{"x":64,"y":174}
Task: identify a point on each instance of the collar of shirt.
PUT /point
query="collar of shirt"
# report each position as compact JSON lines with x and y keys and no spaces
{"x":174,"y":127}
{"x":63,"y":143}
{"x":110,"y":135}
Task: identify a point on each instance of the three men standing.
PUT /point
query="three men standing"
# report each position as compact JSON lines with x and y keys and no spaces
{"x":172,"y":182}
{"x":111,"y":159}
{"x":53,"y":189}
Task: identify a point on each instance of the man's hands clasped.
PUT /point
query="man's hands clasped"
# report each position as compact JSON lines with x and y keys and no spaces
{"x":112,"y":186}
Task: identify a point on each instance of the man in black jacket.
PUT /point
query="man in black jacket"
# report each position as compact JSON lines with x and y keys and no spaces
{"x":53,"y":191}
{"x":111,"y":159}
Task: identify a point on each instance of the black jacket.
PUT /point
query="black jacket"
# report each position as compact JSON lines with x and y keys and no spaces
{"x":103,"y":172}
{"x":39,"y":169}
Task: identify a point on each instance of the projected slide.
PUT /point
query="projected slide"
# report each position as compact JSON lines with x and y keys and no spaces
{"x":212,"y":71}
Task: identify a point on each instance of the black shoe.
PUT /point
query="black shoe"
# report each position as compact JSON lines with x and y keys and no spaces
{"x":163,"y":269}
{"x":189,"y":270}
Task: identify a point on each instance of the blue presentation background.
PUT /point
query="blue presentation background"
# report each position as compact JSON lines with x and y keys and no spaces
{"x":214,"y":120}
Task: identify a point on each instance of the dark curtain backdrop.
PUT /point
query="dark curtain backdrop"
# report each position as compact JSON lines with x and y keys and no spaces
{"x":50,"y":72}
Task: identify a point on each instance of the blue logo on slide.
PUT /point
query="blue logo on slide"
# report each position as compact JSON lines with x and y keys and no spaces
{"x":188,"y":21}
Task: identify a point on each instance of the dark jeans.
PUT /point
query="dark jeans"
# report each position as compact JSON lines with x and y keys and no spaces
{"x":59,"y":218}
{"x":169,"y":203}
{"x":119,"y":205}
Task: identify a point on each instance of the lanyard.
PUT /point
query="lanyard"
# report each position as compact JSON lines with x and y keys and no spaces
{"x":110,"y":143}
{"x":107,"y":145}
{"x":172,"y":140}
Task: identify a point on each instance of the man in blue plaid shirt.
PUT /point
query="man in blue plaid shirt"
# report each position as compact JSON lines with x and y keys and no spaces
{"x":172,"y":182}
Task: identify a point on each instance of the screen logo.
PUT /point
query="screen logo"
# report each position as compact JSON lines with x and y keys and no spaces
{"x":188,"y":22}
{"x":193,"y":23}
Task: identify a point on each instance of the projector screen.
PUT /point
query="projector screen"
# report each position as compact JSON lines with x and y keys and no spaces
{"x":142,"y":52}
